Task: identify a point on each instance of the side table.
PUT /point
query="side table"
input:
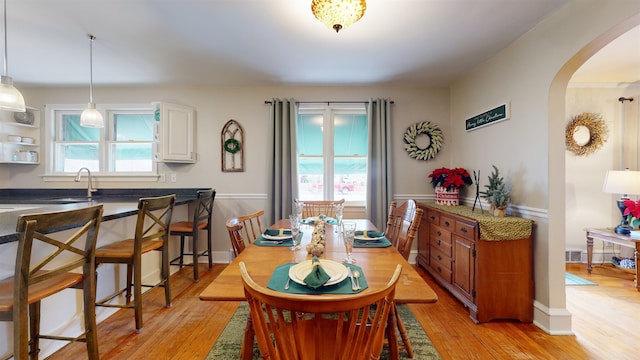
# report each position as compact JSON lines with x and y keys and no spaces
{"x":609,"y":236}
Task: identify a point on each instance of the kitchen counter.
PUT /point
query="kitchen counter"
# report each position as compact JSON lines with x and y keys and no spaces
{"x":117,"y":203}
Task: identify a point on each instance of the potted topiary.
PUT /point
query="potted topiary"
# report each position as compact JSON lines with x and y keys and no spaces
{"x":497,"y":194}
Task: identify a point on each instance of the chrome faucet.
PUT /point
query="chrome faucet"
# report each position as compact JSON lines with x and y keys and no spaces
{"x":90,"y":188}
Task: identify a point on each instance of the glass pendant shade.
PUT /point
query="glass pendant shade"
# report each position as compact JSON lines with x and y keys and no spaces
{"x":91,"y":117}
{"x":10,"y":97}
{"x":338,"y":14}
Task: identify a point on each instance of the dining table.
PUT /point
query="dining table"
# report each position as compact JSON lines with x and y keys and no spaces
{"x":376,"y":260}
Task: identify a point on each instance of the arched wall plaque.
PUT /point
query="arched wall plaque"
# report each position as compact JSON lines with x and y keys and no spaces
{"x":232,"y":147}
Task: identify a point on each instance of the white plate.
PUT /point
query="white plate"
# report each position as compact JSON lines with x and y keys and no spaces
{"x":276,"y":237}
{"x":366,"y":238}
{"x":336,"y":270}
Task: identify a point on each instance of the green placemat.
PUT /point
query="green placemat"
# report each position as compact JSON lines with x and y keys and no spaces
{"x":281,"y":274}
{"x":261,"y":241}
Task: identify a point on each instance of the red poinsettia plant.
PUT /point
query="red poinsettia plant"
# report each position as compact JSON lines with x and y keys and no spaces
{"x":450,"y":178}
{"x":632,"y":212}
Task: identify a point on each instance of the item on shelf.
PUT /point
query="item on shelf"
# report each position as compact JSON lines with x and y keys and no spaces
{"x":14,"y":138}
{"x":26,"y":117}
{"x":28,"y":140}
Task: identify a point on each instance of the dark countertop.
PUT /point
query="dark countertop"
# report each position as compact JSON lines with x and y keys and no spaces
{"x":117,"y":203}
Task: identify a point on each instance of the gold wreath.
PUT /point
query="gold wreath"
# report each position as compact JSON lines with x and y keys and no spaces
{"x":435,"y":140}
{"x":598,"y":133}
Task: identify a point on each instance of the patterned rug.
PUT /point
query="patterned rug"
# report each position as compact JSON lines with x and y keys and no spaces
{"x":228,"y":344}
{"x":570,"y":279}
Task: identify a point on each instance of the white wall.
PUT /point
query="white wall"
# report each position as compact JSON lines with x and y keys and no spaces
{"x":245,"y":192}
{"x":532,"y":73}
{"x":586,"y":204}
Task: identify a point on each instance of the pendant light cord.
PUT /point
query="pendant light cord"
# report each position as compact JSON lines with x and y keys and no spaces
{"x":4,"y":14}
{"x":91,"y":38}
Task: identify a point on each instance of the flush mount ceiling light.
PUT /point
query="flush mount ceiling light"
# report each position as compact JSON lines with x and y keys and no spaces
{"x":10,"y":97}
{"x":90,"y":116}
{"x":338,"y":14}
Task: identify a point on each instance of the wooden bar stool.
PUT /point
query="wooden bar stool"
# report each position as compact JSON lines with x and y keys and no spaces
{"x":201,"y":221}
{"x":151,"y":233}
{"x":20,"y":296}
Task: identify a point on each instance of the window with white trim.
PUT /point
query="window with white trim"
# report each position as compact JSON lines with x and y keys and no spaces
{"x":123,"y":147}
{"x":332,"y":152}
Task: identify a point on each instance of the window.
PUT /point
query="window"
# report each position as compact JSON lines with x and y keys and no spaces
{"x":332,"y":152}
{"x":123,"y":147}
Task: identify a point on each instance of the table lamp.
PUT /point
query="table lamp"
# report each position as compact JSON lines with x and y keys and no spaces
{"x":622,"y":182}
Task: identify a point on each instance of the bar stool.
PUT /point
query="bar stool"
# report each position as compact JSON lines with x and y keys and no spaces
{"x":201,"y":221}
{"x":20,"y":296}
{"x":151,"y":233}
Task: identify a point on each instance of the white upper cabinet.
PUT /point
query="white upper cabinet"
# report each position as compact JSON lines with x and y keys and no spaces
{"x":175,"y":133}
{"x":20,"y":136}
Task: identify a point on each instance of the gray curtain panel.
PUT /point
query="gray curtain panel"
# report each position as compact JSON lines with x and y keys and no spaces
{"x":380,"y":174}
{"x":283,"y":159}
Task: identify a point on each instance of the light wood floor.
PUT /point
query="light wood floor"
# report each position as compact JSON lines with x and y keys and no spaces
{"x":605,"y":320}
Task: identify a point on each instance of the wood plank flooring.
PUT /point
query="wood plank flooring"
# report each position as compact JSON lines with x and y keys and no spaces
{"x":605,"y":320}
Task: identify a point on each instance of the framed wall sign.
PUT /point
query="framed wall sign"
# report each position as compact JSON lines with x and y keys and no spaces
{"x":492,"y":116}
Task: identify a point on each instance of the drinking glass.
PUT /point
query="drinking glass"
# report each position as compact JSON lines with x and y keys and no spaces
{"x":348,"y":235}
{"x":339,"y":209}
{"x":294,"y":222}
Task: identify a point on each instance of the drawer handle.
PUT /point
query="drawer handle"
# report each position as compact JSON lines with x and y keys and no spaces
{"x":439,"y":269}
{"x":447,"y":223}
{"x":464,"y":230}
{"x":439,"y":233}
{"x":433,"y":218}
{"x":439,"y":242}
{"x":439,"y":257}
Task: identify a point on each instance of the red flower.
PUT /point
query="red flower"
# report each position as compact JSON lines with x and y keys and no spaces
{"x":632,"y":212}
{"x":450,"y":178}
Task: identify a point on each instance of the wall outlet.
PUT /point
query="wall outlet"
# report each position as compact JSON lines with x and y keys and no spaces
{"x":174,"y":177}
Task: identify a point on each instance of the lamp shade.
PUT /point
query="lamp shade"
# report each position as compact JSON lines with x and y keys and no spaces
{"x":338,"y":14}
{"x":91,"y":117}
{"x":10,"y":98}
{"x":624,"y":182}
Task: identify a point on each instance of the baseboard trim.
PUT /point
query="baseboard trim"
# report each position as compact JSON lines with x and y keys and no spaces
{"x":553,"y":321}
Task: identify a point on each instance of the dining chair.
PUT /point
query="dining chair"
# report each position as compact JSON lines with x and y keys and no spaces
{"x":402,"y":226}
{"x":151,"y":233}
{"x":46,"y":263}
{"x":234,"y":227}
{"x":201,"y":221}
{"x":289,"y":326}
{"x":252,"y":224}
{"x":319,"y":207}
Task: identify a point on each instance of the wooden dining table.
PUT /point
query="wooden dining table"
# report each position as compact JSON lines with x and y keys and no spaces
{"x":377,"y":266}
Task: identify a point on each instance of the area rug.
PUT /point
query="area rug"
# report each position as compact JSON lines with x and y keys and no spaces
{"x":228,"y":344}
{"x":570,"y":279}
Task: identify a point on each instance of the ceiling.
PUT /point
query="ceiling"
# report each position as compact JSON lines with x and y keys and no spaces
{"x":259,"y":42}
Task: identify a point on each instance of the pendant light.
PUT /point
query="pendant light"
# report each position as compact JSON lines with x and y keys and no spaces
{"x":338,"y":14}
{"x":10,"y":97}
{"x":90,"y":116}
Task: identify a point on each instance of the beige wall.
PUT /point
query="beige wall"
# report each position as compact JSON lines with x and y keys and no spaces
{"x":532,"y":73}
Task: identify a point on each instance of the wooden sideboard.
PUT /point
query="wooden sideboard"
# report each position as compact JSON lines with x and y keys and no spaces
{"x":484,"y":261}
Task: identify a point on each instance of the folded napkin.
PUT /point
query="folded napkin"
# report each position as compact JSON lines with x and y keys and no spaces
{"x":317,"y":277}
{"x":369,"y":233}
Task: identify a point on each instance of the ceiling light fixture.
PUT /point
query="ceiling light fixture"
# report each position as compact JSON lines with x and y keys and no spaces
{"x":90,"y":116}
{"x":10,"y":97}
{"x":338,"y":14}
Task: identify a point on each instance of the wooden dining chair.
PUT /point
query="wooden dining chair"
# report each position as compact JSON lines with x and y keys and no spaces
{"x":234,"y":227}
{"x":252,"y":224}
{"x":302,"y":327}
{"x":319,"y":207}
{"x":201,"y":221}
{"x":48,"y":269}
{"x":402,"y":226}
{"x":151,"y":233}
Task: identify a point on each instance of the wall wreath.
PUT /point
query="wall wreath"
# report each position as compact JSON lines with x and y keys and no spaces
{"x":586,"y":133}
{"x":432,"y":132}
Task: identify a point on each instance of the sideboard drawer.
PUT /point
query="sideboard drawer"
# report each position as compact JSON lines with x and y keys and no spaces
{"x":441,"y":258}
{"x":441,"y":239}
{"x":433,"y":217}
{"x":441,"y":268}
{"x":448,"y":223}
{"x":465,"y":230}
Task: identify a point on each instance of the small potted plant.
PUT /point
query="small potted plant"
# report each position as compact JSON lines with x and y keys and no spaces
{"x":497,"y":194}
{"x":447,"y":183}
